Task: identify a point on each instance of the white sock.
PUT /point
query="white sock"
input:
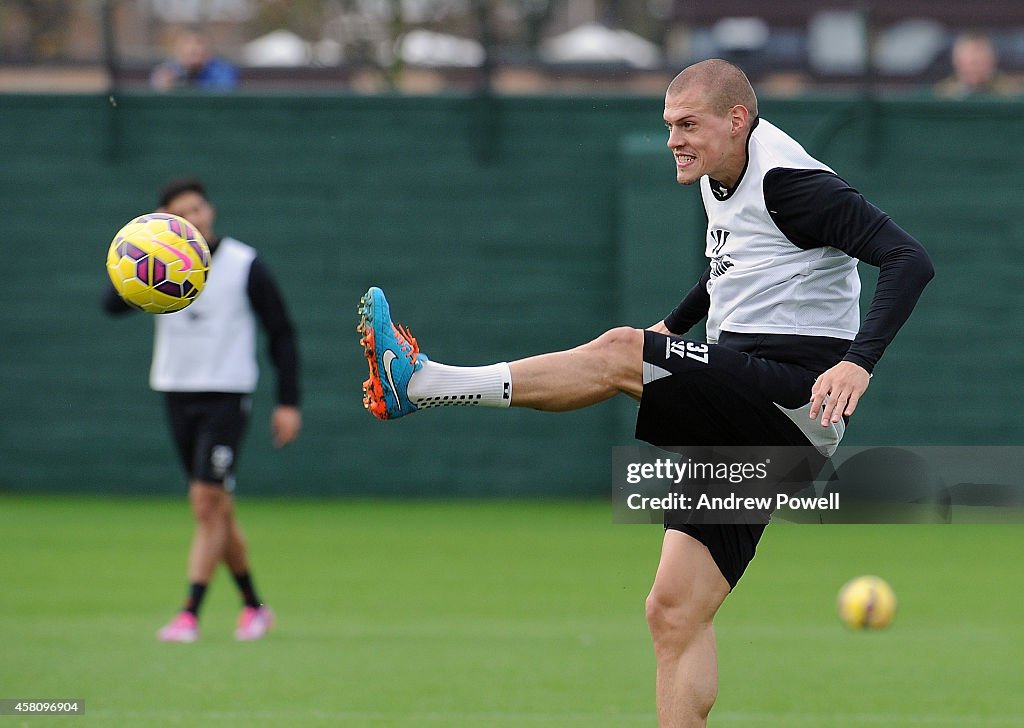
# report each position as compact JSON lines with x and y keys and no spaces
{"x":440,"y":385}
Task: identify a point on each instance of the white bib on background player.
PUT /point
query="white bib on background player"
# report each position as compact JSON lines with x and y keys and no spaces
{"x":761,"y":283}
{"x":211,"y":345}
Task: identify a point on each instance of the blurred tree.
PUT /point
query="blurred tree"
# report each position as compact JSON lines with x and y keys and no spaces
{"x":396,"y":25}
{"x":303,"y":17}
{"x":47,"y":22}
{"x":536,"y":15}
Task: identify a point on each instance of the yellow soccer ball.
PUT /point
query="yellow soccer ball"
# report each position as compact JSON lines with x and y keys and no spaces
{"x":158,"y":263}
{"x":867,"y":602}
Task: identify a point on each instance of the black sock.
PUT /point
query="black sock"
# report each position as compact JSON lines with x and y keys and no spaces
{"x":244,"y":582}
{"x":196,"y":592}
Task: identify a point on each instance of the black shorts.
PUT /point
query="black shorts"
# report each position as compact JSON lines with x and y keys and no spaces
{"x":208,"y":428}
{"x":728,"y":394}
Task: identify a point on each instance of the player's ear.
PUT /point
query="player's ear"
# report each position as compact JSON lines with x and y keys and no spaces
{"x":739,"y":115}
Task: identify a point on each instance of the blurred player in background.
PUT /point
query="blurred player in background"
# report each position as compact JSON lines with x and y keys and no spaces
{"x":194,"y":66}
{"x":786,"y":359}
{"x":205,"y":363}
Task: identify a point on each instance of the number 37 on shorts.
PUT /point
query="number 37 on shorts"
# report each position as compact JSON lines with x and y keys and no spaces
{"x":686,"y":350}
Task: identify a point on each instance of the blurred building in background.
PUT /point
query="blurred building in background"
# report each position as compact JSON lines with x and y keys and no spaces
{"x":513,"y":46}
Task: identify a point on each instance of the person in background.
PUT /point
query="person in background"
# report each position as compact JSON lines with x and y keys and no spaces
{"x":205,"y":364}
{"x":975,"y":70}
{"x":194,"y":66}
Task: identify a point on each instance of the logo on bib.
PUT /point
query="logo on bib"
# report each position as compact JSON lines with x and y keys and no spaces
{"x":719,"y":237}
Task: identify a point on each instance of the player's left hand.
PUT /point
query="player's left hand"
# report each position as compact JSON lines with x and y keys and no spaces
{"x":843,"y":384}
{"x":285,"y":424}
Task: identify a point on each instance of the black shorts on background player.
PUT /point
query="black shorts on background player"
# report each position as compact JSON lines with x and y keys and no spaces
{"x":208,"y":428}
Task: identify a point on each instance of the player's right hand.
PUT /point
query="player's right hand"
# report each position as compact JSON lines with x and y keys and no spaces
{"x":842,"y":385}
{"x":285,"y":423}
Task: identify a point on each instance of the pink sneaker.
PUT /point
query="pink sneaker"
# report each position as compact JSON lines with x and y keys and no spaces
{"x":183,"y":628}
{"x":254,"y":622}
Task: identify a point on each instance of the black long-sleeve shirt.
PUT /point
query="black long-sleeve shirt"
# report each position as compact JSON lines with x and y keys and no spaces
{"x":815,"y":208}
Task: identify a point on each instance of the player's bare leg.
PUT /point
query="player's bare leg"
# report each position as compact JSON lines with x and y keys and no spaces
{"x":688,"y":590}
{"x":403,"y":380}
{"x":580,"y":377}
{"x":256,"y":618}
{"x":210,"y":507}
{"x":236,"y":555}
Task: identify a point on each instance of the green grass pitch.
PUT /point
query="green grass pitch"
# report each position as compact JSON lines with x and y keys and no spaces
{"x":491,"y":614}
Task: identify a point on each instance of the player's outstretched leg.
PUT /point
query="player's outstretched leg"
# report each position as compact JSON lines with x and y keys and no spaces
{"x":393,"y":356}
{"x":402,"y":380}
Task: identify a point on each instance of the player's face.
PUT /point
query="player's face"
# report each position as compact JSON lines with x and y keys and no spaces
{"x":196,"y":209}
{"x":702,"y":142}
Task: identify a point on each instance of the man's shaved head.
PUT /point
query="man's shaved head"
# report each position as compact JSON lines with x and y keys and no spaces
{"x":723,"y":83}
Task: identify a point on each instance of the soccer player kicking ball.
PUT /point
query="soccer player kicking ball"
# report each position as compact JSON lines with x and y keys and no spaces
{"x":786,"y":361}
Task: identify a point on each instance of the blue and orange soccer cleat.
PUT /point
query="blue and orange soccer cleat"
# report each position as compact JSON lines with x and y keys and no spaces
{"x":393,"y":356}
